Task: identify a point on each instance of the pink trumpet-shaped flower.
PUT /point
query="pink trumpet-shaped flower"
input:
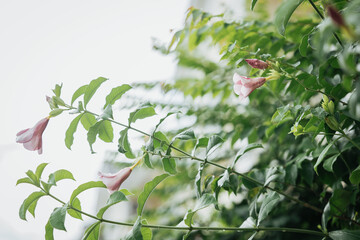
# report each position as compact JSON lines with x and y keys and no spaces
{"x":114,"y":181}
{"x":256,"y":63}
{"x":32,"y":137}
{"x":243,"y":86}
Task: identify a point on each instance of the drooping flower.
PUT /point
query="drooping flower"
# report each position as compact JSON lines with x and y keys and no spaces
{"x":243,"y":86}
{"x":114,"y":181}
{"x":256,"y":63}
{"x":31,"y":138}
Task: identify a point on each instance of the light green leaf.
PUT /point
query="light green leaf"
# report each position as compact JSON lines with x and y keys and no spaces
{"x":160,"y":141}
{"x":269,"y":203}
{"x":169,"y":165}
{"x":77,"y":205}
{"x":214,"y":141}
{"x":69,"y":135}
{"x":124,"y":144}
{"x":114,"y":198}
{"x":33,"y":177}
{"x":283,"y":14}
{"x":32,"y":207}
{"x":92,"y":88}
{"x":86,"y":186}
{"x":56,"y":112}
{"x":135,"y":233}
{"x":87,"y":120}
{"x":107,"y":113}
{"x":355,"y":176}
{"x":57,"y":218}
{"x":102,"y":128}
{"x":304,"y":45}
{"x":244,"y":150}
{"x":163,"y":119}
{"x":205,"y":201}
{"x":49,"y":231}
{"x":39,"y":170}
{"x":116,"y":94}
{"x":185,"y":135}
{"x":145,"y":232}
{"x":148,"y":188}
{"x":25,"y":180}
{"x":126,"y":192}
{"x":345,"y":235}
{"x":141,"y":113}
{"x":57,"y":90}
{"x":63,"y":174}
{"x":80,"y":91}
{"x":27,"y":202}
{"x":93,"y":232}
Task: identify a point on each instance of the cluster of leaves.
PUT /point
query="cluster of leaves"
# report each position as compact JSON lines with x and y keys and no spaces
{"x":306,"y":120}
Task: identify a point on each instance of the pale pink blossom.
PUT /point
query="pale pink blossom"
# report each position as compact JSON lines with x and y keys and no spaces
{"x":243,"y":86}
{"x":114,"y":181}
{"x":31,"y":138}
{"x":256,"y":63}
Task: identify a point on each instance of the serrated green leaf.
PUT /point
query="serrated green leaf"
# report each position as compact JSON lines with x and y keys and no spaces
{"x":92,"y":88}
{"x":148,"y":188}
{"x":86,"y":186}
{"x":345,"y":234}
{"x":283,"y":14}
{"x":49,"y":231}
{"x":169,"y":165}
{"x":27,"y":202}
{"x":80,"y":91}
{"x":141,"y":113}
{"x":69,"y":135}
{"x":116,"y":94}
{"x":269,"y":203}
{"x":355,"y":176}
{"x":205,"y":201}
{"x":214,"y":141}
{"x":77,"y":205}
{"x":92,"y":232}
{"x":57,"y":218}
{"x":88,"y":120}
{"x":124,"y":144}
{"x":114,"y":198}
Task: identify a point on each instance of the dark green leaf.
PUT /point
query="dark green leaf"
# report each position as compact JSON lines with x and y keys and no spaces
{"x":49,"y":231}
{"x":323,"y":154}
{"x":80,"y":91}
{"x":269,"y":203}
{"x":283,"y":14}
{"x":169,"y":165}
{"x":325,"y":216}
{"x":116,"y":94}
{"x":92,"y":88}
{"x":69,"y":135}
{"x":329,"y":163}
{"x":57,"y":218}
{"x":27,"y":202}
{"x":304,"y":45}
{"x":355,"y":176}
{"x":124,"y":144}
{"x":85,"y":186}
{"x":253,"y":3}
{"x":148,"y":188}
{"x":345,"y":235}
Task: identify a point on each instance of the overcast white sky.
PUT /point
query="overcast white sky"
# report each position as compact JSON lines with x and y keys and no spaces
{"x":47,"y":42}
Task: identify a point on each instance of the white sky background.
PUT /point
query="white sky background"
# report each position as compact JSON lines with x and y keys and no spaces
{"x":47,"y":42}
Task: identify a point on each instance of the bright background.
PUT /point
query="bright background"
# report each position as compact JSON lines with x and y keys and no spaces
{"x":47,"y":42}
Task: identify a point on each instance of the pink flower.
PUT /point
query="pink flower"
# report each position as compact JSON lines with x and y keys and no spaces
{"x":256,"y":63}
{"x":32,"y":137}
{"x":243,"y":86}
{"x":113,"y":181}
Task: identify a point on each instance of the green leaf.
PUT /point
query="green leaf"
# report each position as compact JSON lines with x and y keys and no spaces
{"x":253,"y":3}
{"x":355,"y":176}
{"x":269,"y":203}
{"x":126,"y":192}
{"x":69,"y":135}
{"x":124,"y":144}
{"x":147,"y":161}
{"x":88,"y":120}
{"x":116,"y":94}
{"x":135,"y":233}
{"x":141,"y":113}
{"x":39,"y":170}
{"x":57,"y":218}
{"x":244,"y":150}
{"x":75,"y":214}
{"x":169,"y":165}
{"x":185,"y":135}
{"x":85,"y":186}
{"x":49,"y":231}
{"x":283,"y":14}
{"x":27,"y":202}
{"x":146,"y":232}
{"x":56,"y":112}
{"x":345,"y":235}
{"x":160,"y":141}
{"x":63,"y":174}
{"x":80,"y":91}
{"x":273,"y":173}
{"x":214,"y":141}
{"x":33,"y":177}
{"x":304,"y":45}
{"x":107,"y":113}
{"x":114,"y":198}
{"x":25,"y":180}
{"x":205,"y":201}
{"x":198,"y":180}
{"x":323,"y":154}
{"x":325,"y":216}
{"x":92,"y":88}
{"x":163,"y":119}
{"x":339,"y":201}
{"x":32,"y":207}
{"x":92,"y":232}
{"x":329,"y":163}
{"x":148,"y":188}
{"x":102,"y":128}
{"x":57,"y":90}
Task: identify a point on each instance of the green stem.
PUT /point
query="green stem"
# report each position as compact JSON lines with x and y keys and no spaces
{"x":322,"y":17}
{"x":268,"y":229}
{"x":350,"y":140}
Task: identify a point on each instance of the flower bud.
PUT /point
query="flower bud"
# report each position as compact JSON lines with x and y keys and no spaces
{"x":274,"y":75}
{"x":297,"y":130}
{"x":256,"y":63}
{"x":331,"y":107}
{"x":332,"y":123}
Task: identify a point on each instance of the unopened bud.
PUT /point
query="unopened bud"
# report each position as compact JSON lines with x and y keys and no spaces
{"x":256,"y":63}
{"x":331,"y":107}
{"x":332,"y":123}
{"x":274,"y":75}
